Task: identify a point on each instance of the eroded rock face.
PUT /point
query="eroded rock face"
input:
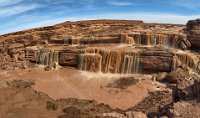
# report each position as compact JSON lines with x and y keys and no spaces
{"x":156,"y":64}
{"x":55,"y":44}
{"x":178,"y":74}
{"x":187,"y":87}
{"x":193,"y":28}
{"x":184,"y":110}
{"x":68,"y":59}
{"x":115,"y":59}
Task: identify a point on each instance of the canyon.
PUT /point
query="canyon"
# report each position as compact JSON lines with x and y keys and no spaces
{"x":84,"y":58}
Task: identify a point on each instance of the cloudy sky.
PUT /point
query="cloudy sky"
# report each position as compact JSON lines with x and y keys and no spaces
{"x":25,"y":14}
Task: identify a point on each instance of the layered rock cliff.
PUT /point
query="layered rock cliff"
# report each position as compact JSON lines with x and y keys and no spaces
{"x":193,"y":30}
{"x":106,"y":46}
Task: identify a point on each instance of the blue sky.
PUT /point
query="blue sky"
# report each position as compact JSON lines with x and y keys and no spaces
{"x":25,"y":14}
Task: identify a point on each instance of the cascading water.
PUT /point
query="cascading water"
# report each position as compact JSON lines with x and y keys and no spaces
{"x":90,"y":62}
{"x":154,"y":41}
{"x":174,"y":63}
{"x":124,"y":61}
{"x":80,"y":62}
{"x":188,"y":59}
{"x":110,"y":62}
{"x":46,"y":57}
{"x":106,"y":55}
{"x":131,"y":64}
{"x":166,"y":40}
{"x":42,"y":57}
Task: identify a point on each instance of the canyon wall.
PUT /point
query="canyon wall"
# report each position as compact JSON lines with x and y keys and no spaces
{"x":120,"y":60}
{"x":106,"y":46}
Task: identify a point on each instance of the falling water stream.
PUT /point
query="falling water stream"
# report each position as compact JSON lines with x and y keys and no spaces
{"x":46,"y":57}
{"x":110,"y":62}
{"x":131,"y":64}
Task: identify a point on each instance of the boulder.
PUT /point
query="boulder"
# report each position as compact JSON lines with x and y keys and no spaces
{"x":55,"y":65}
{"x":161,"y":76}
{"x":178,"y":74}
{"x":187,"y":88}
{"x":48,"y":68}
{"x":196,"y":88}
{"x":183,"y":45}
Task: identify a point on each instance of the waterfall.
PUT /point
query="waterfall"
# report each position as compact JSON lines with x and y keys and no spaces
{"x":107,"y":61}
{"x":90,"y":62}
{"x":154,"y":41}
{"x":111,"y":61}
{"x":166,"y":40}
{"x":174,"y":63}
{"x":47,"y":57}
{"x":80,"y":62}
{"x":125,"y":38}
{"x":43,"y":57}
{"x":54,"y":59}
{"x":131,"y":64}
{"x":188,"y":59}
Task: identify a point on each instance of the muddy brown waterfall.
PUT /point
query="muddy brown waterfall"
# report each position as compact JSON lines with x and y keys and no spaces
{"x":107,"y":61}
{"x":47,"y":57}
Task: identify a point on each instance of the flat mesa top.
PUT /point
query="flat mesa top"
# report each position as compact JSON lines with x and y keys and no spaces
{"x":90,"y":27}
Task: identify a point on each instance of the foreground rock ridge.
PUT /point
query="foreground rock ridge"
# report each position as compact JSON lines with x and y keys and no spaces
{"x":169,"y":53}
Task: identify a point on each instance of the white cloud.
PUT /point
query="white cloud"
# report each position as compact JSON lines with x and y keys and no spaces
{"x":119,"y":3}
{"x":17,"y":9}
{"x":25,"y":24}
{"x":9,"y":2}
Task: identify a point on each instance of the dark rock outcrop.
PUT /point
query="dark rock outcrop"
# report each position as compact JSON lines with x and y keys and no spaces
{"x":193,"y":29}
{"x":179,"y":73}
{"x":187,"y":88}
